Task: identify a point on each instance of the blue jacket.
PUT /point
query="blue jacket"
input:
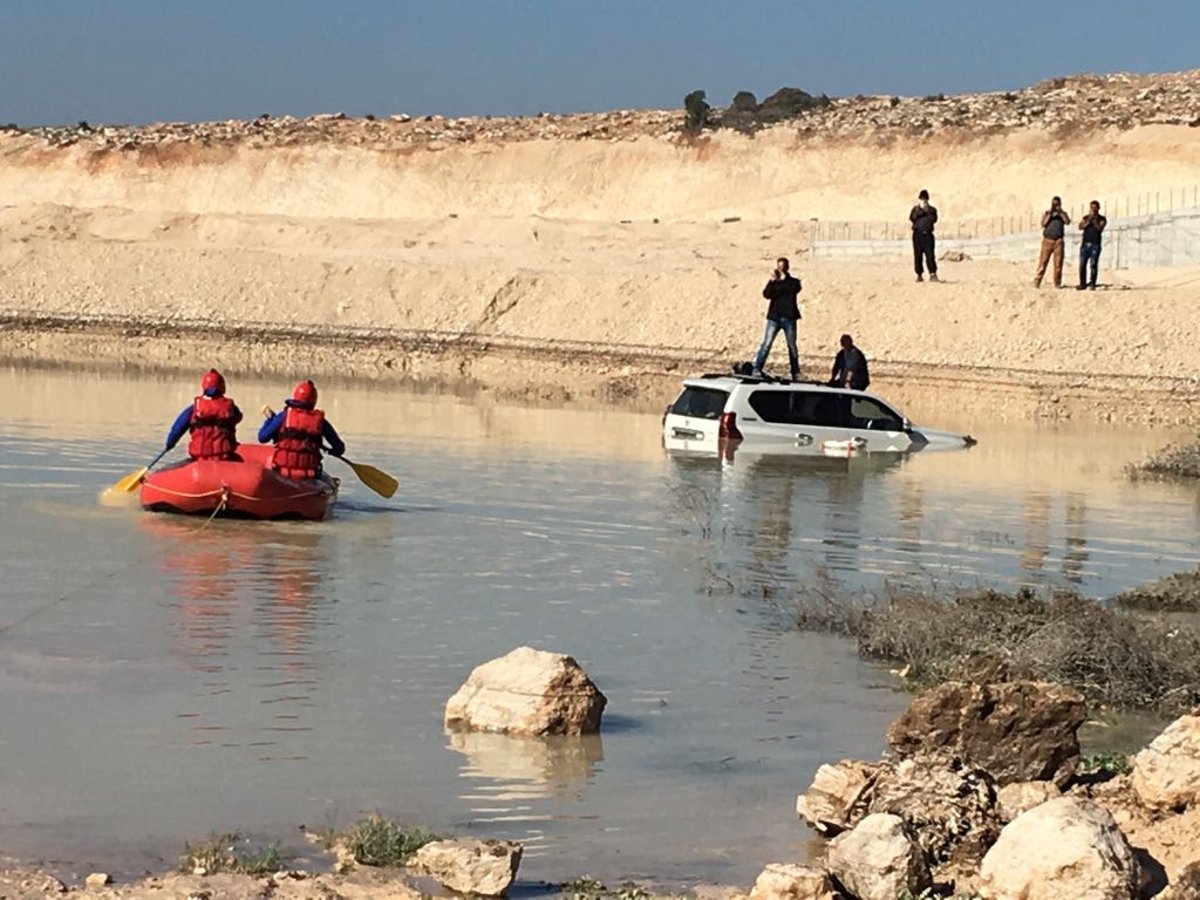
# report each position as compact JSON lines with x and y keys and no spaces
{"x":270,"y":429}
{"x":183,"y":422}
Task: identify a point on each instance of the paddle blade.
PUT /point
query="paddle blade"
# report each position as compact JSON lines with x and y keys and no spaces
{"x":130,"y":482}
{"x":376,"y":479}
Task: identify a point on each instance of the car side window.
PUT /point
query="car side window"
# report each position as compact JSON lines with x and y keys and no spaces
{"x":771,"y":406}
{"x":822,"y":408}
{"x":799,"y":407}
{"x":700,"y":403}
{"x":868,"y":413}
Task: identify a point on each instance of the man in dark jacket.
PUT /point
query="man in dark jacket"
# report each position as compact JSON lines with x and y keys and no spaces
{"x":850,"y":367}
{"x":923,"y":217}
{"x":782,"y":314}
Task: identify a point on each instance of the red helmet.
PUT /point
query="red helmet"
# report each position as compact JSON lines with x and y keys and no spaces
{"x":213,"y":383}
{"x":306,"y":393}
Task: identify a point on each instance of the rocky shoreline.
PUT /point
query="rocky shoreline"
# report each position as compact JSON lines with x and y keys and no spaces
{"x":1084,"y":101}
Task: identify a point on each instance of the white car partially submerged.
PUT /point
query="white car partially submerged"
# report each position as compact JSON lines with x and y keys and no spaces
{"x":767,"y":415}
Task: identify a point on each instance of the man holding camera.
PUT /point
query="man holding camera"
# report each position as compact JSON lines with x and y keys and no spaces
{"x":783,"y":311}
{"x":1054,"y":222}
{"x":1092,"y":226}
{"x":923,"y":217}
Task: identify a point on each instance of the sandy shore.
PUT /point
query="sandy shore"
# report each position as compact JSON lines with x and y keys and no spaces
{"x":541,"y":260}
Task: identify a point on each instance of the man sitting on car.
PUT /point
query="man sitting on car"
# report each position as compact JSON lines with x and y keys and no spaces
{"x":850,"y":367}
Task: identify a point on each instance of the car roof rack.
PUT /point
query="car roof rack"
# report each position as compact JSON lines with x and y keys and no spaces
{"x":761,"y":379}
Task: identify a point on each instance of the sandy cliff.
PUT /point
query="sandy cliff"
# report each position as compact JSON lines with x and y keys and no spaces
{"x":617,"y":231}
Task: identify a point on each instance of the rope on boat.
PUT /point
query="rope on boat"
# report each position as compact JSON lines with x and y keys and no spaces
{"x":218,"y":510}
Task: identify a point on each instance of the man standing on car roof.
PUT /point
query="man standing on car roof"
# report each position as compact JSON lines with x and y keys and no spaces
{"x":783,"y":312}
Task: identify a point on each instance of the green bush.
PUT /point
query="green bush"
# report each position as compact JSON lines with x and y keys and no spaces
{"x":222,"y":853}
{"x":376,"y":841}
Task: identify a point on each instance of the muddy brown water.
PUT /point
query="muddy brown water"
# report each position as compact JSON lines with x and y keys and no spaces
{"x":160,"y":680}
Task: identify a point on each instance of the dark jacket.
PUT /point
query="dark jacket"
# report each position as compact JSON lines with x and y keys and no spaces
{"x":861,"y":378}
{"x":782,"y":293}
{"x":923,"y":220}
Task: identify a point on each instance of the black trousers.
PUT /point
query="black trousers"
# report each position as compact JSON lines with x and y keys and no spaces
{"x":923,"y":247}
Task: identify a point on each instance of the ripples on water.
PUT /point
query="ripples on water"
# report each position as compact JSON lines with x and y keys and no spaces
{"x":161,"y":680}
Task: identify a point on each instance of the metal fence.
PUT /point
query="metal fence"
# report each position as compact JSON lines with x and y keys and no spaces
{"x":1000,"y":226}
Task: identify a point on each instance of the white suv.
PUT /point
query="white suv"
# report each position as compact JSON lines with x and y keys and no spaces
{"x":773,"y":416}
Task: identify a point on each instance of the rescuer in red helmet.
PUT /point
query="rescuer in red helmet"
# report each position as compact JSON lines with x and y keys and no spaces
{"x":212,"y":418}
{"x":297,"y":432}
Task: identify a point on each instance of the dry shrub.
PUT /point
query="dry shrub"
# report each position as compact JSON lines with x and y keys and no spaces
{"x":1115,"y":657}
{"x":1168,"y":463}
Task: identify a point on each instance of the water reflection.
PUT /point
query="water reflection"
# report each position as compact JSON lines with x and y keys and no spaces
{"x":1076,"y":552}
{"x":1036,"y":552}
{"x":769,"y":522}
{"x":235,"y":584}
{"x":528,"y":768}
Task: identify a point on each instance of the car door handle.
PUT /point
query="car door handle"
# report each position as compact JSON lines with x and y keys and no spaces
{"x":803,"y":440}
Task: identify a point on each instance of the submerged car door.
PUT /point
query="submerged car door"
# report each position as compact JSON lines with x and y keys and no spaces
{"x":880,"y":425}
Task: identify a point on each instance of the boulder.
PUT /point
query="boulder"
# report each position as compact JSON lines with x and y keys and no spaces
{"x":1166,"y":775}
{"x":97,"y":880}
{"x":1015,"y":731}
{"x":783,"y":881}
{"x":527,"y":692}
{"x":878,"y":859}
{"x":833,"y":802}
{"x":1065,"y":849}
{"x":1022,"y":796}
{"x":744,"y":102}
{"x":487,"y":868}
{"x":950,"y":808}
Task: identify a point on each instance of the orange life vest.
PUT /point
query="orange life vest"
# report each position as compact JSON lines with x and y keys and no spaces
{"x":213,"y":429}
{"x":298,"y":444}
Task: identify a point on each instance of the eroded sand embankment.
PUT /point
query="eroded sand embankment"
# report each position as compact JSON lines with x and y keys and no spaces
{"x":601,"y":268}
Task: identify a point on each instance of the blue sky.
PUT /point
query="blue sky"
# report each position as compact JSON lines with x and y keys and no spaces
{"x":144,"y":60}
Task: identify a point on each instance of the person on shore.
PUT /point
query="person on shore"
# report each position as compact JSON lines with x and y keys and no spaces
{"x":923,"y":217}
{"x":298,"y":431}
{"x":212,"y":418}
{"x":850,"y":367}
{"x":1054,"y":222}
{"x":1092,"y":226}
{"x":783,"y":312}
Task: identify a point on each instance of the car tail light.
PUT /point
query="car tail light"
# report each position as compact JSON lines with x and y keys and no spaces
{"x":728,"y":427}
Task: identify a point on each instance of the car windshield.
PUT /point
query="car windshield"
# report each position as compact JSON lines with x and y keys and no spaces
{"x":700,"y":403}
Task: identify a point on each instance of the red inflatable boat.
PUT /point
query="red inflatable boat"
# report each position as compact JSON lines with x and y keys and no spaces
{"x":248,"y":488}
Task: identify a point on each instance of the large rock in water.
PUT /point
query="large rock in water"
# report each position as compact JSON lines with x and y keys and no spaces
{"x":528,"y":692}
{"x":1166,"y":775}
{"x":878,"y":860}
{"x":1064,"y":849}
{"x":1016,"y":731}
{"x":487,"y":868}
{"x":782,"y":881}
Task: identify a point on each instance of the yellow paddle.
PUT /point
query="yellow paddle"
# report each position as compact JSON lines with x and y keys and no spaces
{"x":133,"y":480}
{"x":376,"y":479}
